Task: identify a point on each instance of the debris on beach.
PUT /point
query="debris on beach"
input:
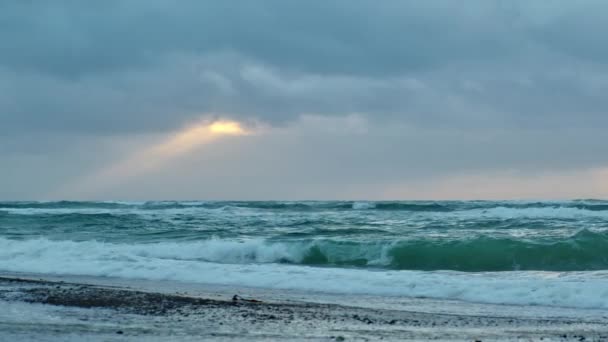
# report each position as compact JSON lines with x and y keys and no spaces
{"x":237,"y":298}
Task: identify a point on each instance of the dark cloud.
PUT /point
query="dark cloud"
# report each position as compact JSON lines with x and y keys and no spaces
{"x":486,"y":84}
{"x":71,"y":38}
{"x":118,"y":66}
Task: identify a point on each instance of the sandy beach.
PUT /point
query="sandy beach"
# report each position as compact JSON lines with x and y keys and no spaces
{"x":97,"y":309}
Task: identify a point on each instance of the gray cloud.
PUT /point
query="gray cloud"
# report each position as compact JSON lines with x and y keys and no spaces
{"x":526,"y":79}
{"x":71,"y":38}
{"x":116,"y":65}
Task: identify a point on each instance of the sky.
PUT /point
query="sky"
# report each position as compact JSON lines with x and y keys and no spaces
{"x":287,"y":100}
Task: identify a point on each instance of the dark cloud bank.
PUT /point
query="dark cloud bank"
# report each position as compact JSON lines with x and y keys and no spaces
{"x":528,"y":77}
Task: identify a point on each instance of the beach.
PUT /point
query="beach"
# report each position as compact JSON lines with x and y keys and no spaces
{"x":104,"y":309}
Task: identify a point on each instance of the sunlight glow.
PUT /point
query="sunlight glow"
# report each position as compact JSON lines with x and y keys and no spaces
{"x":157,"y":155}
{"x":227,"y":127}
{"x":192,"y":137}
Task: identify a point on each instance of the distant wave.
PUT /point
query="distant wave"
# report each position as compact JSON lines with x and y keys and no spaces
{"x":412,"y":206}
{"x":427,"y":215}
{"x":63,"y":205}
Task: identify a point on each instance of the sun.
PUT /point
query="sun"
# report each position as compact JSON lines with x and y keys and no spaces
{"x":226,"y":127}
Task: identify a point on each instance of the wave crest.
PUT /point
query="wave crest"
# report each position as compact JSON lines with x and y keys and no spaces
{"x":185,"y":262}
{"x":583,"y":251}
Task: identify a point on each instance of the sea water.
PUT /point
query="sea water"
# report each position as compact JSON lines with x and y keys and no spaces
{"x":500,"y":252}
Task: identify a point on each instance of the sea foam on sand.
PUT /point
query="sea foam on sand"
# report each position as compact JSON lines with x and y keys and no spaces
{"x":71,"y":308}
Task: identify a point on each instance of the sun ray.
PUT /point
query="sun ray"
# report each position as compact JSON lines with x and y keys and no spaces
{"x":157,"y":155}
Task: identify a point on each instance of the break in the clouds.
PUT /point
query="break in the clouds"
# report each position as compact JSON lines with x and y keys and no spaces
{"x":360,"y":99}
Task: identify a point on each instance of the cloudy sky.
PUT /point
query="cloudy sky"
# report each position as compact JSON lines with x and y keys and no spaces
{"x":151,"y":99}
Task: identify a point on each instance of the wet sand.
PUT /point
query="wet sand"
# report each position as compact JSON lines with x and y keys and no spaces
{"x":52,"y":310}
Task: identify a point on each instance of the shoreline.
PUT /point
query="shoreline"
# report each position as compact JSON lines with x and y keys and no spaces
{"x":105,"y":312}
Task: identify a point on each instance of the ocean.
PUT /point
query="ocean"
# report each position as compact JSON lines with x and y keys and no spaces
{"x":550,"y":253}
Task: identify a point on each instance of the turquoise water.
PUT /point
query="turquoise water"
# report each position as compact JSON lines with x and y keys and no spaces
{"x":502,"y":252}
{"x":416,"y":235}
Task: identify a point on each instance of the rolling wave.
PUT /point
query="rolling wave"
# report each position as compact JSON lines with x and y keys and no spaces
{"x":583,"y":251}
{"x":188,"y":262}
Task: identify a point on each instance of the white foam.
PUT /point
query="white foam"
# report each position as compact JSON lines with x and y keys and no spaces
{"x":111,"y":211}
{"x":62,"y":211}
{"x":363,"y":205}
{"x":504,"y":213}
{"x":166,"y":261}
{"x":221,"y":251}
{"x":362,"y":208}
{"x":547,"y":212}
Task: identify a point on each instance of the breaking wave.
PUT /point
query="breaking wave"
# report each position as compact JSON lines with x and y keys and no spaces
{"x":583,"y":251}
{"x":189,"y":262}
